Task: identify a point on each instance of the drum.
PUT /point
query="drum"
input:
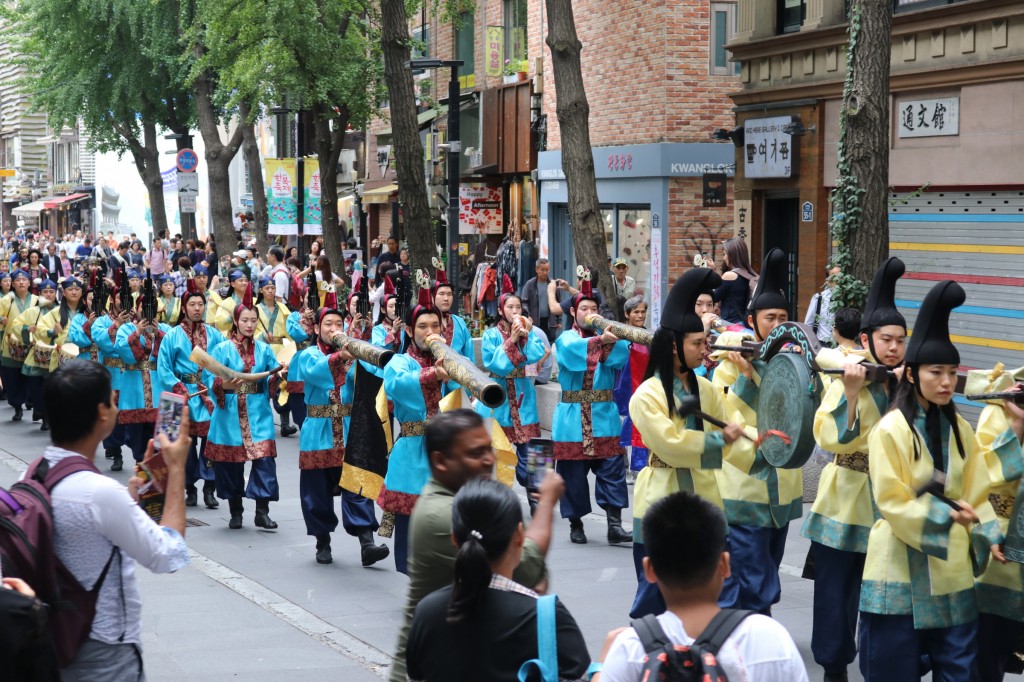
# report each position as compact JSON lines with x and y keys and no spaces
{"x":42,"y":353}
{"x":1014,"y":546}
{"x":788,"y":398}
{"x":18,"y":350}
{"x":66,"y":353}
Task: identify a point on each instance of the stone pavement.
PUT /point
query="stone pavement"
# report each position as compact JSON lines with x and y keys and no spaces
{"x":254,"y":604}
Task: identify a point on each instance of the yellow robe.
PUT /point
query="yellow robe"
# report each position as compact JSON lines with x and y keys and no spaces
{"x":278,"y":329}
{"x":682,"y":457}
{"x":10,"y":309}
{"x":46,"y":326}
{"x":1000,"y":590}
{"x":918,"y":561}
{"x":37,"y":362}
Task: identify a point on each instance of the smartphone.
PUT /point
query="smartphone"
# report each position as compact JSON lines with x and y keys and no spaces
{"x":539,"y":459}
{"x":168,"y":418}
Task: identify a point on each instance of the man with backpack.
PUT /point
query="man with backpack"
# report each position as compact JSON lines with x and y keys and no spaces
{"x":684,"y":535}
{"x":99,"y":532}
{"x":281,"y":275}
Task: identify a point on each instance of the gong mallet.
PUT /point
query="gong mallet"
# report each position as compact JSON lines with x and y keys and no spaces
{"x":690,"y":404}
{"x":936,"y":487}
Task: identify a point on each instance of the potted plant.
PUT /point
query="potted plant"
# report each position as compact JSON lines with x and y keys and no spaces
{"x":510,"y":74}
{"x":523,"y":69}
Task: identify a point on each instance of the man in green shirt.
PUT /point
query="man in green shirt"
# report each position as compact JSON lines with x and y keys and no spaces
{"x":459,"y":448}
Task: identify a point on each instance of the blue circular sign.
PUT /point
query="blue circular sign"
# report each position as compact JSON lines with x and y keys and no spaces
{"x":187,"y":161}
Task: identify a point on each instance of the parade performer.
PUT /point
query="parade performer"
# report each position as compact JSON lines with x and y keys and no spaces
{"x":416,"y":381}
{"x":80,"y":331}
{"x":178,"y":374}
{"x":242,"y":424}
{"x":273,"y":330}
{"x":630,"y":378}
{"x":999,"y":589}
{"x":842,"y":514}
{"x":387,"y":333}
{"x":761,"y":502}
{"x":53,"y":328}
{"x":200,"y":282}
{"x":326,"y":370}
{"x":586,"y":424}
{"x":37,"y":362}
{"x":299,"y":327}
{"x":170,"y":305}
{"x":14,"y":349}
{"x":137,"y":345}
{"x":917,"y":597}
{"x":103,"y":332}
{"x":507,"y":348}
{"x":453,"y":328}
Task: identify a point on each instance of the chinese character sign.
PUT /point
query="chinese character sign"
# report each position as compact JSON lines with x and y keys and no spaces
{"x":479,"y":209}
{"x":312,"y":211}
{"x":495,"y":50}
{"x":281,"y":205}
{"x":928,"y":117}
{"x":769,"y":151}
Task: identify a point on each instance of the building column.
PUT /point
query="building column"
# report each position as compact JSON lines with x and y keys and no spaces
{"x":823,"y":13}
{"x":756,"y":19}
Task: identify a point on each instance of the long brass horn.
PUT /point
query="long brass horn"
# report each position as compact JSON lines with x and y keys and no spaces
{"x":625,"y":332}
{"x":206,"y":361}
{"x":469,"y":376}
{"x":361,"y":350}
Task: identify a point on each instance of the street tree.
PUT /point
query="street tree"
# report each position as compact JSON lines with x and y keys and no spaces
{"x":860,"y":206}
{"x":573,"y":113}
{"x":81,"y":72}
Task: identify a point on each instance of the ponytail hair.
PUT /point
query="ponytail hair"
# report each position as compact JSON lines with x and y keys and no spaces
{"x":485,"y":516}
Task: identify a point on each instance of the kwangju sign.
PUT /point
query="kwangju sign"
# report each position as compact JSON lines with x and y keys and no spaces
{"x":769,"y":151}
{"x":928,"y":117}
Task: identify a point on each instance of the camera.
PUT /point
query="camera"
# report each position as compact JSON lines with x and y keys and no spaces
{"x":539,"y":460}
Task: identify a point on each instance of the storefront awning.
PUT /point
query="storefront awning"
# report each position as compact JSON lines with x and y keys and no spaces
{"x":32,"y":208}
{"x":68,"y":199}
{"x":380,"y":195}
{"x":423,"y":119}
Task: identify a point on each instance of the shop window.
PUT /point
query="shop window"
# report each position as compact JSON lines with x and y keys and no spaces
{"x":791,"y":15}
{"x":723,"y":27}
{"x":469,"y":134}
{"x":515,"y":30}
{"x":633,"y":242}
{"x":911,"y":5}
{"x":464,"y":45}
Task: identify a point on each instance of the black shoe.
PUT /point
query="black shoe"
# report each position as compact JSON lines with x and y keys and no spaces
{"x":209,"y":499}
{"x":111,"y":453}
{"x":235,"y":503}
{"x":617,"y":535}
{"x":18,"y":415}
{"x":191,"y":498}
{"x":323,"y":549}
{"x":29,"y":406}
{"x":836,"y":676}
{"x":372,"y":553}
{"x":576,"y":534}
{"x":262,"y":519}
{"x":117,"y":464}
{"x":288,"y":430}
{"x":36,"y":415}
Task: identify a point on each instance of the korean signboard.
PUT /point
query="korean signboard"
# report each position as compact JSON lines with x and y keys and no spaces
{"x":281,"y":206}
{"x":495,"y":50}
{"x":769,"y":151}
{"x":928,"y":117}
{"x":714,"y":189}
{"x":479,"y":209}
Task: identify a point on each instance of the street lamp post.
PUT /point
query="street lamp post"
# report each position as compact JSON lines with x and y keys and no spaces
{"x":454,"y":152}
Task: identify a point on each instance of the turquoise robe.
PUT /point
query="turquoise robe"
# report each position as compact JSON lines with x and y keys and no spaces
{"x":242,"y":425}
{"x":173,"y":364}
{"x":518,"y":414}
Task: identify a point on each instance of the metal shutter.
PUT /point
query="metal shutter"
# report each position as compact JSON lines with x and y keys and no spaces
{"x":977,"y":239}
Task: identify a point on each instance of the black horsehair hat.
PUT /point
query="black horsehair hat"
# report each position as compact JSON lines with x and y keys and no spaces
{"x":679,"y":314}
{"x":772,"y":284}
{"x":930,"y":344}
{"x":880,"y":309}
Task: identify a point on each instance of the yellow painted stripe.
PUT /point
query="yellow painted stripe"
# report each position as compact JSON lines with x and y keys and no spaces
{"x":979,"y":341}
{"x":956,"y":248}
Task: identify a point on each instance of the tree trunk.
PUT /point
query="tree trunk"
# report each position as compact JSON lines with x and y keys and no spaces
{"x":577,"y":158}
{"x":412,"y":188}
{"x":218,"y":158}
{"x":251,"y":151}
{"x":329,"y":141}
{"x":867,"y":137}
{"x":147,"y":162}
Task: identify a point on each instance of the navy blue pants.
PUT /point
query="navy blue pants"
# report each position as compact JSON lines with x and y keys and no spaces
{"x":34,"y":394}
{"x":891,"y":650}
{"x":401,"y":539}
{"x":137,"y":438}
{"x":522,"y":471}
{"x":609,"y":488}
{"x":648,"y":599}
{"x":15,"y":385}
{"x":997,"y":640}
{"x":197,"y":468}
{"x":316,"y":493}
{"x":230,"y":477}
{"x":755,"y":556}
{"x":837,"y":578}
{"x":297,"y":404}
{"x":116,"y":439}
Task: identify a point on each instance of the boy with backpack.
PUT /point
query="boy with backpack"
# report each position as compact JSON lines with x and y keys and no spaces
{"x":77,"y":534}
{"x":684,"y":536}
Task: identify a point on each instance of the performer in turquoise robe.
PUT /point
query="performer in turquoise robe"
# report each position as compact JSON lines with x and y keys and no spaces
{"x":138,"y":345}
{"x":103,"y":334}
{"x":299,"y":327}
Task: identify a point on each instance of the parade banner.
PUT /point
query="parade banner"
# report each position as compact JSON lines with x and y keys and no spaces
{"x":312,"y":214}
{"x":479,"y":209}
{"x":282,"y":210}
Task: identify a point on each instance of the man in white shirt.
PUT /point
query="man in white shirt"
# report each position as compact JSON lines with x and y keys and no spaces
{"x":684,"y":536}
{"x":819,"y":312}
{"x":278,"y":270}
{"x":97,"y":520}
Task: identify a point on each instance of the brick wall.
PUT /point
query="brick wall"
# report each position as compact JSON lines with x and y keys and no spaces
{"x":692,"y":228}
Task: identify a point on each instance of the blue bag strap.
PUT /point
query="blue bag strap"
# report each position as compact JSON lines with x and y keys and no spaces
{"x":546,"y":662}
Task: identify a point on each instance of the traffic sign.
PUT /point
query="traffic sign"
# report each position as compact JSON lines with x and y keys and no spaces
{"x":188,"y":184}
{"x":7,"y":172}
{"x":187,"y":161}
{"x":188,"y":203}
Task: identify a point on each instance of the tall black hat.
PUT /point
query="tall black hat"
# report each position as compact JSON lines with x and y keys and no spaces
{"x":678,"y":314}
{"x":772,"y":284}
{"x":880,"y":310}
{"x":930,"y":344}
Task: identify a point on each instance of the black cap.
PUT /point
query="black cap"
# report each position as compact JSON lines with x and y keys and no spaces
{"x":772,"y":284}
{"x":930,"y":344}
{"x":880,"y":310}
{"x":678,"y":313}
